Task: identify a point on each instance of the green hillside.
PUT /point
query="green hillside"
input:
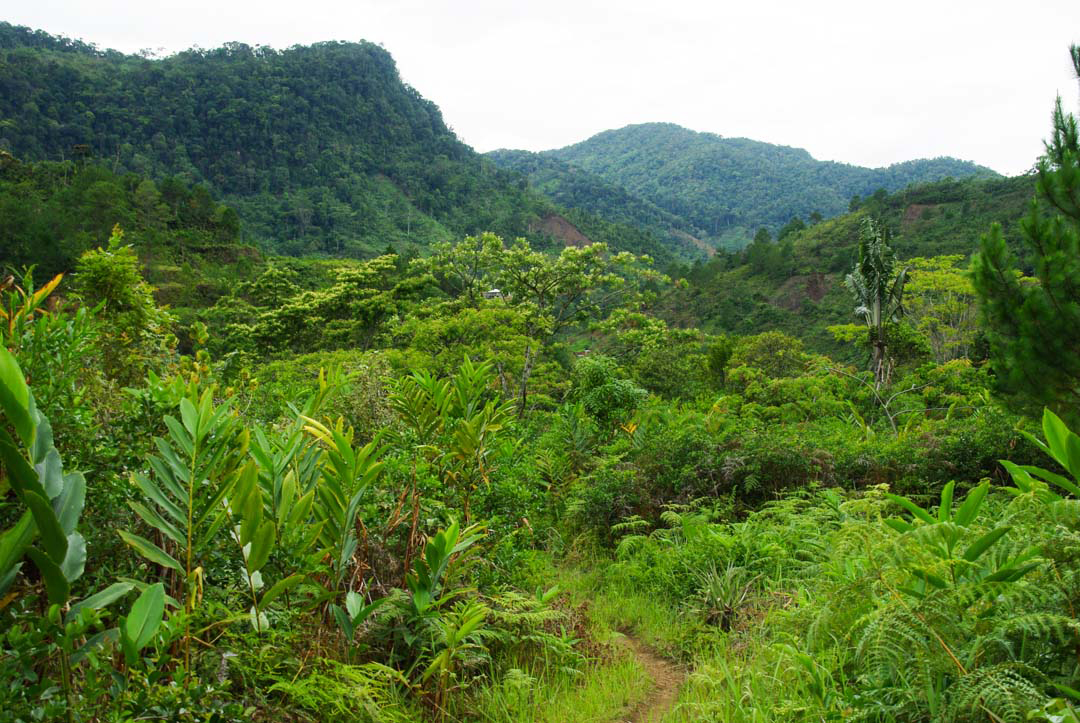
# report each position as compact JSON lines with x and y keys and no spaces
{"x":573,"y":187}
{"x":320,"y":149}
{"x":731,"y":186}
{"x":796,"y":285}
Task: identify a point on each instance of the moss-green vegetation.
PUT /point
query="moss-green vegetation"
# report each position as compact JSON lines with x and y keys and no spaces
{"x":475,"y":484}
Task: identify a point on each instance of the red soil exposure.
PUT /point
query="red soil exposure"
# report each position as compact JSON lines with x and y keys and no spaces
{"x":560,"y":228}
{"x":799,"y":288}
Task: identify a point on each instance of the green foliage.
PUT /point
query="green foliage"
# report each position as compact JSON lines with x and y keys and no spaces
{"x":196,"y":470}
{"x":348,"y":472}
{"x":773,"y":352}
{"x":56,"y":211}
{"x":941,"y":303}
{"x":1029,"y":322}
{"x":726,"y":184}
{"x":607,"y":397}
{"x":878,"y":289}
{"x":592,"y":198}
{"x":133,"y":327}
{"x":50,"y":500}
{"x":57,"y":351}
{"x":319,"y":149}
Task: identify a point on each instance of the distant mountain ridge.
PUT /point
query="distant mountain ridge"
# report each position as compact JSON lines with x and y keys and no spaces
{"x":729,"y":186}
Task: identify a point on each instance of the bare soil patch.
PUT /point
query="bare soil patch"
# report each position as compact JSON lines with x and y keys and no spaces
{"x":667,"y":678}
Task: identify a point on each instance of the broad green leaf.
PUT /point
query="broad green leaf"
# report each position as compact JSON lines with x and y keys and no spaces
{"x":1054,"y":478}
{"x":15,"y":397}
{"x":151,"y":517}
{"x":279,"y":588}
{"x":301,"y":509}
{"x":967,"y":512}
{"x":353,"y":603}
{"x":146,"y":615}
{"x":51,"y":473}
{"x":180,"y":436}
{"x":262,"y":544}
{"x":56,"y":585}
{"x":75,"y":558}
{"x":154,"y":493}
{"x":1058,"y":440}
{"x":13,"y":542}
{"x":984,"y":543}
{"x":1024,"y":481}
{"x":945,"y":511}
{"x":1010,"y":573}
{"x":101,"y":599}
{"x":150,"y":551}
{"x":899,"y":525}
{"x":343,"y":621}
{"x":21,"y":475}
{"x":52,"y":535}
{"x":190,"y":416}
{"x":43,"y":436}
{"x":68,"y":506}
{"x":911,"y":507}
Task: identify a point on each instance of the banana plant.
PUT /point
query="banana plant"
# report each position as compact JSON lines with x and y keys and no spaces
{"x":943,"y":536}
{"x":195,"y":471}
{"x":347,"y":474}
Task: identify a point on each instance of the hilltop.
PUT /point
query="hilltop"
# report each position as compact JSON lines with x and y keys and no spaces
{"x":726,"y":187}
{"x":320,"y":149}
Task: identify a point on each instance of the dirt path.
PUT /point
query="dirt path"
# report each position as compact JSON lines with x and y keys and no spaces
{"x":667,"y":678}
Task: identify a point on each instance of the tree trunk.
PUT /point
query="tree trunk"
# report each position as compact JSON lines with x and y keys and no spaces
{"x":880,"y":362}
{"x":526,"y":370}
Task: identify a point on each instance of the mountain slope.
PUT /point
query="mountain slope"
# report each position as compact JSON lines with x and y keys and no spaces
{"x":573,"y":187}
{"x":319,"y":149}
{"x":731,"y":186}
{"x":797,"y":286}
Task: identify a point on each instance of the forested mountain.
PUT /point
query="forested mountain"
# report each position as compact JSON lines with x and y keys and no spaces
{"x":576,"y":188}
{"x":430,"y":484}
{"x":320,"y":148}
{"x":731,"y":186}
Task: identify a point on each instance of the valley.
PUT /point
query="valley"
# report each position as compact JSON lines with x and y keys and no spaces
{"x":313,"y":413}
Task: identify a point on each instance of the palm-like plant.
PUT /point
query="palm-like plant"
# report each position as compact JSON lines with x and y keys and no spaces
{"x":185,"y":501}
{"x":879,"y":294}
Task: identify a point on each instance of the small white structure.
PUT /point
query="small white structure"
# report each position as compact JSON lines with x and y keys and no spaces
{"x":493,"y":294}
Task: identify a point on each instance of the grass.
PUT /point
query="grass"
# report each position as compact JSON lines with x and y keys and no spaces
{"x":600,"y":694}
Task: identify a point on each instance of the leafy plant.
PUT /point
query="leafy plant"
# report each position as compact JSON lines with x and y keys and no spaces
{"x":347,"y":474}
{"x":195,"y":472}
{"x":456,"y":645}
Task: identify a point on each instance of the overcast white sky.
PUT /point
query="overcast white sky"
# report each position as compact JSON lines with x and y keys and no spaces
{"x":863,"y":82}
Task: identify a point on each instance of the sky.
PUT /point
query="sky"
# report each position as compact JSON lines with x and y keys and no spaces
{"x":868,"y":83}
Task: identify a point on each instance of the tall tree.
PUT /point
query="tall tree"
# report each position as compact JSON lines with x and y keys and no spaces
{"x":1032,"y":324}
{"x":879,"y":294}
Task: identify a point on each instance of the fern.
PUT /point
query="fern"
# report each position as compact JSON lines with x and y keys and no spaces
{"x":1003,"y":692}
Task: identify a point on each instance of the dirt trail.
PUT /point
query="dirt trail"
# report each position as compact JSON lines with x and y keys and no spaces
{"x":667,"y":678}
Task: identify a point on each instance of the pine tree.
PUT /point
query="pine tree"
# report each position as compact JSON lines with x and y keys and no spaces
{"x":1033,"y":325}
